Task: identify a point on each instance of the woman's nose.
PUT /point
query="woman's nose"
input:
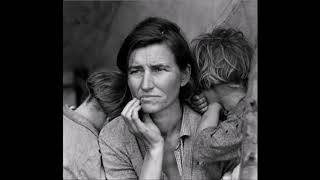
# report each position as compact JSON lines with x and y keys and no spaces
{"x":147,"y":82}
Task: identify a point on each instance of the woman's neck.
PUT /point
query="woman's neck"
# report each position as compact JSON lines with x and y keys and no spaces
{"x":169,"y":120}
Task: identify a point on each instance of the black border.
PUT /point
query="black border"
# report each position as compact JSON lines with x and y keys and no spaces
{"x":32,"y":74}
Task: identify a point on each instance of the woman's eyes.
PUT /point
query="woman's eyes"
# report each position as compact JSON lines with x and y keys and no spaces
{"x":154,"y":69}
{"x":134,"y":71}
{"x":158,"y":69}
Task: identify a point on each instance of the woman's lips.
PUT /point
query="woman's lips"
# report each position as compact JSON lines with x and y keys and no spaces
{"x":148,"y":98}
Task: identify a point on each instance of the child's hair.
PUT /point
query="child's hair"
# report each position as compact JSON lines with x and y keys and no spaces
{"x":222,"y":56}
{"x":108,"y":89}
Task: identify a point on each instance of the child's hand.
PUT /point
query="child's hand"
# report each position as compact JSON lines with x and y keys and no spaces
{"x":199,"y":103}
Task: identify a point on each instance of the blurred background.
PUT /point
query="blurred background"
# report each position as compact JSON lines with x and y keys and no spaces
{"x":94,"y":30}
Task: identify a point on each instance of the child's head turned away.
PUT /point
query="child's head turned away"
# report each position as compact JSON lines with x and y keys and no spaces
{"x":223,"y":56}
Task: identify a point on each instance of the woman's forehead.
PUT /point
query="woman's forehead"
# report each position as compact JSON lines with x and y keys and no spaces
{"x":152,"y":55}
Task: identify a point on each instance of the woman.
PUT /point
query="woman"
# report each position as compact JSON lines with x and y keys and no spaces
{"x":152,"y":139}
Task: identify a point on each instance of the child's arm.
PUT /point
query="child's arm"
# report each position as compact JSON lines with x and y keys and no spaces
{"x":211,"y":117}
{"x":221,"y":142}
{"x":217,"y":141}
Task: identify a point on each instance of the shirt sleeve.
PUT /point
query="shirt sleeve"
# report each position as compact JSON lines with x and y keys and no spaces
{"x":220,"y":143}
{"x":116,"y":163}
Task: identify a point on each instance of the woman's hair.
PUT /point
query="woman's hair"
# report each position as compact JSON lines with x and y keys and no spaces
{"x":155,"y":30}
{"x":105,"y":88}
{"x":222,"y":56}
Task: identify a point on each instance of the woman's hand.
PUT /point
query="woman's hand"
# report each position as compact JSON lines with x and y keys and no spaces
{"x":150,"y":133}
{"x":146,"y":130}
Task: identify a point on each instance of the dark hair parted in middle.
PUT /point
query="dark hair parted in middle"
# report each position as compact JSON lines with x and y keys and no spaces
{"x":155,"y":30}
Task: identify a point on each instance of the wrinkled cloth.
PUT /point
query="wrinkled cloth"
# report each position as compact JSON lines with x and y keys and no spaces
{"x":81,"y":154}
{"x":122,"y":152}
{"x":218,"y":149}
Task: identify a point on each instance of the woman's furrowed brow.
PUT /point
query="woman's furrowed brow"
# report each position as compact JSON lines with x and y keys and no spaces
{"x":134,"y":67}
{"x":152,"y":65}
{"x":160,"y":65}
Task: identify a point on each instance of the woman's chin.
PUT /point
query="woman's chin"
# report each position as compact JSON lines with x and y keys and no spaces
{"x":147,"y":108}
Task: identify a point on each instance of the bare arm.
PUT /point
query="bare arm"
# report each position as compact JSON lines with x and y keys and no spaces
{"x":208,"y":104}
{"x":211,"y":117}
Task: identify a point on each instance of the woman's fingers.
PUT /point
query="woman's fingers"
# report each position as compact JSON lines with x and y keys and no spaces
{"x":147,"y":129}
{"x":144,"y":130}
{"x":136,"y":120}
{"x":131,"y":126}
{"x":127,"y":114}
{"x":130,"y":109}
{"x":128,"y":106}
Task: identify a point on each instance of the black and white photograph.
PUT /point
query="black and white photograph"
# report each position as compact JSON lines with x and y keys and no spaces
{"x":160,"y":89}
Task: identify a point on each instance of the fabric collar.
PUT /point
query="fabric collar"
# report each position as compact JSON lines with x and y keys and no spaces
{"x":186,"y":123}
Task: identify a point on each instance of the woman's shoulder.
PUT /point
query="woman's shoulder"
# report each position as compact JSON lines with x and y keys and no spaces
{"x":192,"y":114}
{"x":115,"y":131}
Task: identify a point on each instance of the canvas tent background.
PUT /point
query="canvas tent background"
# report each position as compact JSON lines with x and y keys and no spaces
{"x":94,"y":30}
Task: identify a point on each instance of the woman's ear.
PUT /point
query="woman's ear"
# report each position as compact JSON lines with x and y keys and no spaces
{"x":185,"y":76}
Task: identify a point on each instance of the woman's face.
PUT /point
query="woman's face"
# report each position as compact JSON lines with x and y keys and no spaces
{"x":154,"y":77}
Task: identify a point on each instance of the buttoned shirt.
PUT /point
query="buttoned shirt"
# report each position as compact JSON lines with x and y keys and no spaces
{"x":81,"y":154}
{"x":123,"y":153}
